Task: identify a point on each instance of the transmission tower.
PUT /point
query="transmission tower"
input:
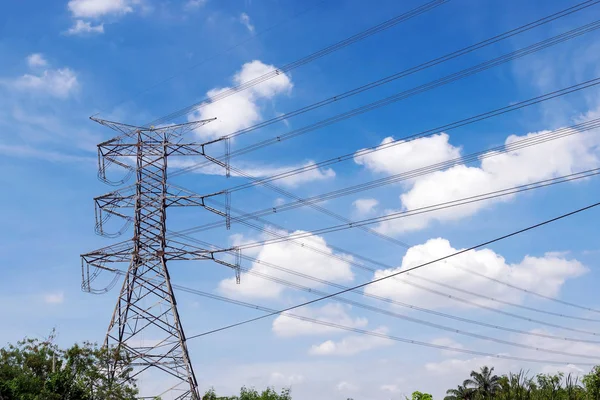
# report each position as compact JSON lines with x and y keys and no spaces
{"x":145,"y":324}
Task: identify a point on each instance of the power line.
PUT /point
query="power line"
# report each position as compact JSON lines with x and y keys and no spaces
{"x":305,"y":60}
{"x":566,"y":303}
{"x":418,"y":172}
{"x":418,"y":68}
{"x":403,"y":214}
{"x":536,"y":185}
{"x":410,"y":92}
{"x":362,"y":266}
{"x":365,"y":332}
{"x":515,"y":233}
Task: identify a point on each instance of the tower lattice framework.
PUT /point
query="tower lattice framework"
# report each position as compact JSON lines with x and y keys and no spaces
{"x":145,"y":324}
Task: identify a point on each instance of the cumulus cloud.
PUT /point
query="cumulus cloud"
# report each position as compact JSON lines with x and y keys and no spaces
{"x":409,"y":155}
{"x":365,"y":206}
{"x":242,"y":109}
{"x":36,"y":60}
{"x":60,"y":83}
{"x":245,"y":20}
{"x":54,"y":298}
{"x":81,"y":27}
{"x":545,"y":275}
{"x":578,"y":152}
{"x":333,"y":313}
{"x":293,"y":257}
{"x":99,"y":8}
{"x":351,"y":345}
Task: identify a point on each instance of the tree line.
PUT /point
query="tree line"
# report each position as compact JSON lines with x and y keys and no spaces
{"x":38,"y":370}
{"x":485,"y":385}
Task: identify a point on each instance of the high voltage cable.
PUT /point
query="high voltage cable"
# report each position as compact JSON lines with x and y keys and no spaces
{"x":415,"y":320}
{"x":418,"y":68}
{"x":435,"y":325}
{"x":580,"y":175}
{"x":417,"y":211}
{"x":365,"y":332}
{"x":217,"y":54}
{"x":362,"y":331}
{"x":410,"y":92}
{"x":418,"y":172}
{"x":422,"y":309}
{"x":497,"y":239}
{"x":305,"y":60}
{"x":430,"y":132}
{"x":566,"y":303}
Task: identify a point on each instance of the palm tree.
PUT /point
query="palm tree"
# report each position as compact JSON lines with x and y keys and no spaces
{"x":462,"y":392}
{"x":484,"y":383}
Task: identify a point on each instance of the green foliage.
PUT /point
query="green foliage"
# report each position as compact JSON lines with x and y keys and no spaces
{"x":251,"y":394}
{"x":484,"y":385}
{"x":421,"y":396}
{"x":39,"y":370}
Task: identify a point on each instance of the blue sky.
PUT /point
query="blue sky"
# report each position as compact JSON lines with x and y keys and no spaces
{"x":137,"y":60}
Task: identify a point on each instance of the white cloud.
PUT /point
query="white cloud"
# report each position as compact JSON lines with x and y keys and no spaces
{"x":242,"y":109}
{"x":54,"y":298}
{"x":194,"y":4}
{"x":409,"y":155}
{"x":100,"y":8}
{"x":36,"y":60}
{"x":84,"y":27}
{"x":333,"y":313}
{"x":365,"y":206}
{"x":574,"y":153}
{"x":293,"y":257}
{"x":245,"y":20}
{"x":351,"y":345}
{"x":60,"y":83}
{"x":545,"y":275}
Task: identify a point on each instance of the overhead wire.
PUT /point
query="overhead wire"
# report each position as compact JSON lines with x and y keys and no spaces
{"x":530,"y":292}
{"x":410,"y":306}
{"x":387,"y":217}
{"x":535,"y":185}
{"x":418,"y":68}
{"x":414,"y":173}
{"x":366,"y":332}
{"x":305,"y":60}
{"x":447,"y":127}
{"x":404,"y":271}
{"x":541,"y":45}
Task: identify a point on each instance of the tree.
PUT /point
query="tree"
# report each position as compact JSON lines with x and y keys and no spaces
{"x":39,"y":370}
{"x":251,"y":394}
{"x":462,"y":392}
{"x":485,"y":384}
{"x":591,"y":382}
{"x":421,"y":396}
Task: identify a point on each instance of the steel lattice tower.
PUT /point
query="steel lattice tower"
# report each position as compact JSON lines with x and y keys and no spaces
{"x":145,"y":324}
